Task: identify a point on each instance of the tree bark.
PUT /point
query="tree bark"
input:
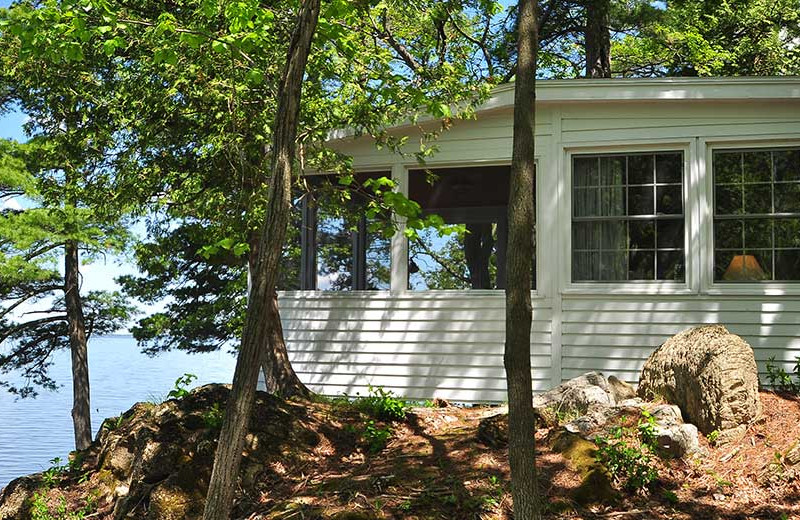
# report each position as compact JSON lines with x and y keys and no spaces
{"x":598,"y":39}
{"x":81,"y":409}
{"x":279,"y":374}
{"x":519,"y":313}
{"x":261,"y":320}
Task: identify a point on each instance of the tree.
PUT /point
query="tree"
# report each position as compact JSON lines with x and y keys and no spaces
{"x":43,"y":310}
{"x":597,"y":39}
{"x":713,"y":38}
{"x":263,"y":321}
{"x":519,"y":310}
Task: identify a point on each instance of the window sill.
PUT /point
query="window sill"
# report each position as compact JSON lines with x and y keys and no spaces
{"x":628,"y":289}
{"x":753,"y":289}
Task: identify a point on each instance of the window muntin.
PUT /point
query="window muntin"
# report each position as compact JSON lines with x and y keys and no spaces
{"x":756,"y":215}
{"x":628,"y":217}
{"x":476,"y":197}
{"x":339,"y":248}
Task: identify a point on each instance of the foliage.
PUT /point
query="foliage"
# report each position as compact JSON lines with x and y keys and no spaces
{"x":376,"y":436}
{"x":382,"y":404}
{"x":628,"y":460}
{"x":41,"y":511}
{"x":721,"y":38}
{"x":181,"y":387}
{"x":782,"y":381}
{"x":647,"y":430}
{"x":213,"y":417}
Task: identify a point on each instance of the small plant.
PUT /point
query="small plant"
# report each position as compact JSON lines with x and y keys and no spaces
{"x":53,"y":474}
{"x":181,"y":388}
{"x":376,"y":436}
{"x":495,"y":493}
{"x":629,"y":462}
{"x":713,"y":437}
{"x":213,"y":417}
{"x":382,"y":405}
{"x":113,"y":423}
{"x":782,"y":381}
{"x":671,"y":497}
{"x":647,"y":430}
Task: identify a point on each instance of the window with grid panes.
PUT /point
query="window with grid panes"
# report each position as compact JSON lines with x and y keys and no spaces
{"x":756,"y":215}
{"x":628,"y":217}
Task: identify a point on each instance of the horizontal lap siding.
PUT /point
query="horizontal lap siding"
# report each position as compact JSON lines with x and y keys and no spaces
{"x":678,"y":120}
{"x":417,"y":345}
{"x":617,"y":335}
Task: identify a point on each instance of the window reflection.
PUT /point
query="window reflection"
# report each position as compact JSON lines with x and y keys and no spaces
{"x":474,"y":257}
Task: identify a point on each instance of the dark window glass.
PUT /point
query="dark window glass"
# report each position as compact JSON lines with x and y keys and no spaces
{"x":631,"y":227}
{"x":477,"y":200}
{"x":756,"y":215}
{"x":341,"y":248}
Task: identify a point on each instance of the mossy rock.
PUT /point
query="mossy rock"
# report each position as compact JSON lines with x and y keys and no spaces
{"x":595,"y":485}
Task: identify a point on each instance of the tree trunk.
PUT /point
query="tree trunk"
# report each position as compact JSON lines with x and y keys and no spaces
{"x":261,"y":321}
{"x":279,"y":375}
{"x":81,"y":410}
{"x":519,"y":314}
{"x":598,"y":39}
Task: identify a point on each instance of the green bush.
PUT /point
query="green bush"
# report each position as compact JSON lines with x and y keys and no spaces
{"x":629,"y":461}
{"x":213,"y":417}
{"x":382,"y":405}
{"x":181,"y":388}
{"x":376,"y":436}
{"x":782,"y":381}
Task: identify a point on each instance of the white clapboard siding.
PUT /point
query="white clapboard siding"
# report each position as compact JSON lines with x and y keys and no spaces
{"x":619,"y":334}
{"x":419,"y":345}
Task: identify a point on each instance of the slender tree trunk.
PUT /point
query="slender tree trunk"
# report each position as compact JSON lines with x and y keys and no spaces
{"x":519,"y":313}
{"x":598,"y":39}
{"x":279,"y":374}
{"x":261,"y":321}
{"x":81,"y":410}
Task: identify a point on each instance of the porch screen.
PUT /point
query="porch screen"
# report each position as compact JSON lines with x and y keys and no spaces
{"x":473,"y":258}
{"x":338,"y":247}
{"x":628,"y":217}
{"x":756,"y":215}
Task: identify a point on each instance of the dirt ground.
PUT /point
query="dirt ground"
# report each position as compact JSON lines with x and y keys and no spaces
{"x":315,"y":463}
{"x":433,"y":467}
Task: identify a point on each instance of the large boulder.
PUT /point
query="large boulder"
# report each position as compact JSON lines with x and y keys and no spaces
{"x":710,"y":374}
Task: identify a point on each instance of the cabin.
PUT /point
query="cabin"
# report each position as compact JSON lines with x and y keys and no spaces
{"x":660,"y":204}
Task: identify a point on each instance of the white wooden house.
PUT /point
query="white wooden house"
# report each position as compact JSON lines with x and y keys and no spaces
{"x":661,"y":204}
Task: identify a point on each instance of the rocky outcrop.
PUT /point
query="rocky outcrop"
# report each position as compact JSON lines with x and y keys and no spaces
{"x":154,"y":462}
{"x":15,"y":498}
{"x":710,"y":374}
{"x":581,"y":395}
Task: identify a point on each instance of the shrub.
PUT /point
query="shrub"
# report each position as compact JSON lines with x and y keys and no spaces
{"x":628,"y":460}
{"x":376,"y":436}
{"x":782,"y":381}
{"x":213,"y":417}
{"x":181,"y":388}
{"x":382,"y":405}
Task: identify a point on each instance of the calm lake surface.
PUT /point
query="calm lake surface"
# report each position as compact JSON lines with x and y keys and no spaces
{"x":33,"y":431}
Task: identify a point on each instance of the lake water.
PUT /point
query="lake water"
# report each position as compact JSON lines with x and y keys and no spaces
{"x":33,"y":431}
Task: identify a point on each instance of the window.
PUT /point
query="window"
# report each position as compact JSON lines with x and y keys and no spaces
{"x":476,"y":197}
{"x":339,"y":248}
{"x":628,"y":217}
{"x":756,"y":215}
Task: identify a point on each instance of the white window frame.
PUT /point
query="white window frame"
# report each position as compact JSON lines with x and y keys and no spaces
{"x":690,"y":203}
{"x":709,"y":286}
